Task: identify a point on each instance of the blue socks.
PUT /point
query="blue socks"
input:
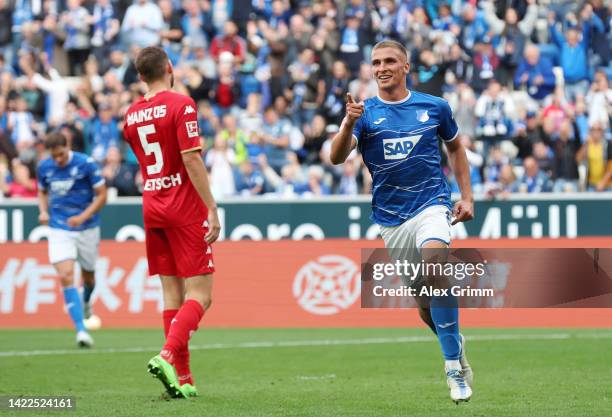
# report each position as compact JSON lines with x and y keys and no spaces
{"x":445,"y":315}
{"x":74,"y":307}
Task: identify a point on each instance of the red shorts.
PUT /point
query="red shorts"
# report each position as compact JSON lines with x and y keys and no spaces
{"x":179,"y":251}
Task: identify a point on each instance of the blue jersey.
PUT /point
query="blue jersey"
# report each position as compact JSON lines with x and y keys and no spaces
{"x":399,"y":144}
{"x":70,"y":189}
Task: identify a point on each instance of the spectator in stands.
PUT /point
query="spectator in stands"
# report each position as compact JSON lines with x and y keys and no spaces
{"x":336,"y":88}
{"x":565,"y":145}
{"x":316,"y":181}
{"x":230,"y":42}
{"x":76,"y":24}
{"x":544,"y":156}
{"x":275,"y":139}
{"x":220,"y":160}
{"x":6,"y":16}
{"x":352,"y":43}
{"x":526,"y":134}
{"x":473,"y":27}
{"x":486,"y":65}
{"x":533,"y":179}
{"x":21,"y":125}
{"x":235,"y":137}
{"x":104,"y":133}
{"x":106,"y":27}
{"x":364,"y":86}
{"x":597,"y":153}
{"x":574,"y":51}
{"x":494,"y":109}
{"x":306,"y":87}
{"x":314,"y":137}
{"x":250,"y":181}
{"x":599,"y":100}
{"x":121,"y":175}
{"x":225,"y":89}
{"x":172,"y":31}
{"x":535,"y":74}
{"x":430,"y":73}
{"x":142,"y":24}
{"x":20,"y":182}
{"x":504,"y":184}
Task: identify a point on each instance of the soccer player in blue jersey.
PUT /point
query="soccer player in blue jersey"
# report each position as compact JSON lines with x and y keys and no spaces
{"x":397,"y":134}
{"x":71,"y":192}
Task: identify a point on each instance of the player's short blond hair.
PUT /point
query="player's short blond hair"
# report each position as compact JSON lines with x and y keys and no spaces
{"x":390,"y":43}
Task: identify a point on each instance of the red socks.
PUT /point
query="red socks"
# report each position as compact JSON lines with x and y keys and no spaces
{"x":179,"y":325}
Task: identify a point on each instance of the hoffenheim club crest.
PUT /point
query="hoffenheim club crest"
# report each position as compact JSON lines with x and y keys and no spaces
{"x":422,"y":116}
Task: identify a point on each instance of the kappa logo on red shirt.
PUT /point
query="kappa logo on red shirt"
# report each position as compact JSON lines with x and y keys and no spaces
{"x":192,"y":129}
{"x":189,"y":110}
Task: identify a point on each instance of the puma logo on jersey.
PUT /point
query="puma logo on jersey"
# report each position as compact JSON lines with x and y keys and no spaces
{"x":189,"y":110}
{"x":379,"y":121}
{"x":399,"y":148}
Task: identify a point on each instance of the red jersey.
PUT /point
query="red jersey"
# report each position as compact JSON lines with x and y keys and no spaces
{"x":159,"y":130}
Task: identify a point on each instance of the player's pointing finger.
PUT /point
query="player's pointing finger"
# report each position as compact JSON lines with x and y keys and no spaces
{"x":349,"y":98}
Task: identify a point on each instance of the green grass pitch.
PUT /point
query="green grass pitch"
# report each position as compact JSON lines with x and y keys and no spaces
{"x":317,"y":372}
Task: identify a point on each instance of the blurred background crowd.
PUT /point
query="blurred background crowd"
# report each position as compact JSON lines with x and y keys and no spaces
{"x":528,"y":80}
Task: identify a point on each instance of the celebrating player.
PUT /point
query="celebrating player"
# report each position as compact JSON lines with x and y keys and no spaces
{"x":397,"y":133}
{"x":71,"y":192}
{"x":180,"y":213}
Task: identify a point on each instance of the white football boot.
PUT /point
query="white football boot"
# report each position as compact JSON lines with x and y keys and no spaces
{"x":84,"y":340}
{"x":459,"y":389}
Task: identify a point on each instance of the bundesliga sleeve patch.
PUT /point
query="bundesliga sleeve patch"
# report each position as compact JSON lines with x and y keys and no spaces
{"x":192,"y":129}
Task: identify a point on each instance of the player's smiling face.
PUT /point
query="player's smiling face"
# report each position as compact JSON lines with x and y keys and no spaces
{"x":389,"y":67}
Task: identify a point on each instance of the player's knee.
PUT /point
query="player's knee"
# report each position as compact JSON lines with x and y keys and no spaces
{"x":66,"y":278}
{"x":206,"y":302}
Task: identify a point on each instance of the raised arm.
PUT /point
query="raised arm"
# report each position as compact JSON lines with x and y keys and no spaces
{"x":531,"y":16}
{"x":344,"y":142}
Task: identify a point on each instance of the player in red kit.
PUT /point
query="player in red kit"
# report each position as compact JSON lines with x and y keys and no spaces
{"x":180,"y":213}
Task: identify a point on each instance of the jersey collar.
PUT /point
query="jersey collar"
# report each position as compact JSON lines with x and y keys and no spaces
{"x":405,"y":99}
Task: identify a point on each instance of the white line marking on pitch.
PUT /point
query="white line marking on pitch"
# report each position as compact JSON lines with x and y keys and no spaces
{"x":304,"y":343}
{"x":315,"y":378}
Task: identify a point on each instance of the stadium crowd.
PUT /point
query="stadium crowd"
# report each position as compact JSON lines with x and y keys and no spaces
{"x":528,"y":80}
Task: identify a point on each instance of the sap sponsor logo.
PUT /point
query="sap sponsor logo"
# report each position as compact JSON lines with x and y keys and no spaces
{"x":156,"y":184}
{"x":146,"y":115}
{"x":399,"y":148}
{"x":61,"y":187}
{"x":327,"y":285}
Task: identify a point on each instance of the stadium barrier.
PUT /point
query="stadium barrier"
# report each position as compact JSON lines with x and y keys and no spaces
{"x":258,"y":284}
{"x":536,"y":216}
